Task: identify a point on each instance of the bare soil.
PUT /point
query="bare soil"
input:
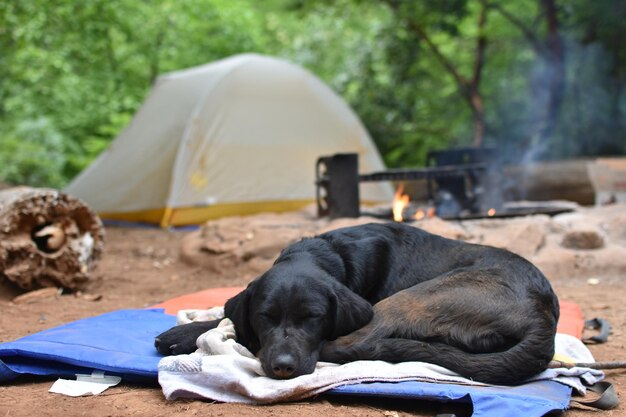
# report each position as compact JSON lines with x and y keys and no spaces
{"x":142,"y":267}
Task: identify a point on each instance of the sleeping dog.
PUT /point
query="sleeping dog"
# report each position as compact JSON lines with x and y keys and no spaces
{"x":395,"y":293}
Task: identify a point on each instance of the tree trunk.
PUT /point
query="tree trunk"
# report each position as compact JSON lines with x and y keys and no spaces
{"x":552,"y":52}
{"x":475,"y":97}
{"x":47,"y":238}
{"x":478,"y":112}
{"x":469,"y":87}
{"x":555,"y":60}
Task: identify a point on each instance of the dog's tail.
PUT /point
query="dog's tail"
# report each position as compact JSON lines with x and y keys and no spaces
{"x":513,"y":366}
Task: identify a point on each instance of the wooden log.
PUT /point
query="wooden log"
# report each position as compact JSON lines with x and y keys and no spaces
{"x":551,"y":180}
{"x":47,"y":238}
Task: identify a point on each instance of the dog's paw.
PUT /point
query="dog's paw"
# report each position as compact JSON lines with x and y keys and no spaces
{"x":175,"y":342}
{"x":181,"y":339}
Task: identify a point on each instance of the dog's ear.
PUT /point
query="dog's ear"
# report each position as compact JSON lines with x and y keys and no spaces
{"x":351,"y":311}
{"x":237,"y":309}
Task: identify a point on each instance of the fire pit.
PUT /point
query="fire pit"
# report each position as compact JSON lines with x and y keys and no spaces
{"x":461,"y":184}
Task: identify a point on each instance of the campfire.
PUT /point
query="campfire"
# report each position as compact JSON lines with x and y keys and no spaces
{"x":404,"y":210}
{"x":460,"y":183}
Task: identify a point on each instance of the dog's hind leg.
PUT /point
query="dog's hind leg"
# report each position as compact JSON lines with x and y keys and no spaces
{"x":473,"y":323}
{"x":348,"y":348}
{"x":510,"y":367}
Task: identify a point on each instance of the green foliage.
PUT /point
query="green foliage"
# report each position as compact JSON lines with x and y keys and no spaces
{"x":33,"y":153}
{"x":73,"y":73}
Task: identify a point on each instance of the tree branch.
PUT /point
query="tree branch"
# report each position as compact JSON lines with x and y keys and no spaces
{"x":534,"y":41}
{"x":468,"y":87}
{"x":593,"y":365}
{"x":481,"y":45}
{"x":443,"y":60}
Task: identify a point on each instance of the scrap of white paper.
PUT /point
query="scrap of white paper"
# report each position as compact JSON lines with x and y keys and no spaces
{"x":93,"y":384}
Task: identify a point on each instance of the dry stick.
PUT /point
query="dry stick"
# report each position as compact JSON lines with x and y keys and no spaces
{"x":592,"y":365}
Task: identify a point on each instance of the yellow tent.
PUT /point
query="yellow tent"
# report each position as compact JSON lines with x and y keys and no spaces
{"x":234,"y":137}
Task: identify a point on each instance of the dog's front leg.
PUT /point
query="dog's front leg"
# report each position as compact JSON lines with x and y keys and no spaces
{"x":182,"y":339}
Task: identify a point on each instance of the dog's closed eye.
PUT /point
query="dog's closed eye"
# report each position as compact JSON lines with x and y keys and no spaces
{"x":307,"y":317}
{"x":270,"y":316}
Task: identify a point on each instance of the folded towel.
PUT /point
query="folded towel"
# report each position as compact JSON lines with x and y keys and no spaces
{"x":223,"y":370}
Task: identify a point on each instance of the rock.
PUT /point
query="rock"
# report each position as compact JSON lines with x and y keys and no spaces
{"x":523,"y":236}
{"x":582,"y":244}
{"x":558,"y":262}
{"x":609,"y":220}
{"x":582,"y":239}
{"x":451,"y":230}
{"x":231,"y":242}
{"x":614,"y":225}
{"x":339,"y":223}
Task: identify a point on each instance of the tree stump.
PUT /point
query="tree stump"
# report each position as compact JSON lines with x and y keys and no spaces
{"x":47,"y":238}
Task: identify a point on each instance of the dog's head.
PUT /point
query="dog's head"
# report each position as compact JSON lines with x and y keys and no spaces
{"x":287,"y":314}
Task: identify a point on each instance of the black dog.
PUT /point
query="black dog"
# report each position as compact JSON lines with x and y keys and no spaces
{"x":482,"y":312}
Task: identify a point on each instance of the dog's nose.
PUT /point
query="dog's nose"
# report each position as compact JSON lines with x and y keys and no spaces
{"x":283,"y":366}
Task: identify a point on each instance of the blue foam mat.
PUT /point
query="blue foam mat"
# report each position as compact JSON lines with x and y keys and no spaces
{"x":528,"y":400}
{"x":122,"y":343}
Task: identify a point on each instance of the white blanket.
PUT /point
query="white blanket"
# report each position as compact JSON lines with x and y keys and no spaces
{"x":223,"y":370}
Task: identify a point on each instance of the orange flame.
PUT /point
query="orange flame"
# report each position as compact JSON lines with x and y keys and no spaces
{"x":400,"y":204}
{"x":491,"y":212}
{"x":400,"y":201}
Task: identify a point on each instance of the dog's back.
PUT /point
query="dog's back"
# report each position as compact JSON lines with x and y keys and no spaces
{"x":483,"y":312}
{"x":390,"y":257}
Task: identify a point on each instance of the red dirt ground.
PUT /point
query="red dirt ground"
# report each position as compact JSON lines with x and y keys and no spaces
{"x":141,"y":267}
